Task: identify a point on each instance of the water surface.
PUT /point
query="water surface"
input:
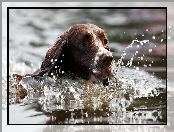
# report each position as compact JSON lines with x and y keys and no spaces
{"x":137,"y":92}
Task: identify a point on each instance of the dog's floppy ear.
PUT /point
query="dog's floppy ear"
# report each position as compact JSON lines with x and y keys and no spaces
{"x":54,"y":55}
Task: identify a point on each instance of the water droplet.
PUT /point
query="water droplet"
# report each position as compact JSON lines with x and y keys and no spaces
{"x":150,"y":50}
{"x":145,"y":65}
{"x":147,"y":30}
{"x":51,"y":60}
{"x":161,"y":40}
{"x":141,"y":58}
{"x":169,"y":37}
{"x":153,"y":37}
{"x":55,"y":60}
{"x":94,"y":71}
{"x":142,"y":34}
{"x":150,"y":65}
{"x":141,"y":43}
{"x":162,"y":31}
{"x":124,"y":54}
{"x":137,"y":68}
{"x":138,"y":46}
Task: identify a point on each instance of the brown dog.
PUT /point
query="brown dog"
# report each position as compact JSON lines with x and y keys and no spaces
{"x":82,"y":51}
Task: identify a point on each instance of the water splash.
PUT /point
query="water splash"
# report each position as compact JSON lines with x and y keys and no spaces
{"x":120,"y":63}
{"x":94,"y":100}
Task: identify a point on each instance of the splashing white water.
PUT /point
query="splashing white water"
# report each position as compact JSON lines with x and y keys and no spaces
{"x":68,"y":94}
{"x":120,"y":63}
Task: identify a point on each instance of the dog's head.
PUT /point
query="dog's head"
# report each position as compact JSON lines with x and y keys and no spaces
{"x":82,"y":50}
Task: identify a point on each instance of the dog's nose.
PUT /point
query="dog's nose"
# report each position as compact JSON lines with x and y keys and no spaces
{"x":107,"y":60}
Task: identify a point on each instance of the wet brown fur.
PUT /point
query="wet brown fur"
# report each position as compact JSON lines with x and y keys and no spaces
{"x":74,"y":52}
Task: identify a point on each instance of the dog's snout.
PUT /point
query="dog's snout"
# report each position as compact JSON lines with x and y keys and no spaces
{"x":107,"y":59}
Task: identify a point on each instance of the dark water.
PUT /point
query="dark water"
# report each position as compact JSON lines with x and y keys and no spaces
{"x":137,"y":94}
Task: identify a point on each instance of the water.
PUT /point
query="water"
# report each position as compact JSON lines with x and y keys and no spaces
{"x":136,"y":94}
{"x":125,"y":100}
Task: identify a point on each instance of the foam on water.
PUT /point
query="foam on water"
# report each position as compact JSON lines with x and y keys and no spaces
{"x":127,"y":84}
